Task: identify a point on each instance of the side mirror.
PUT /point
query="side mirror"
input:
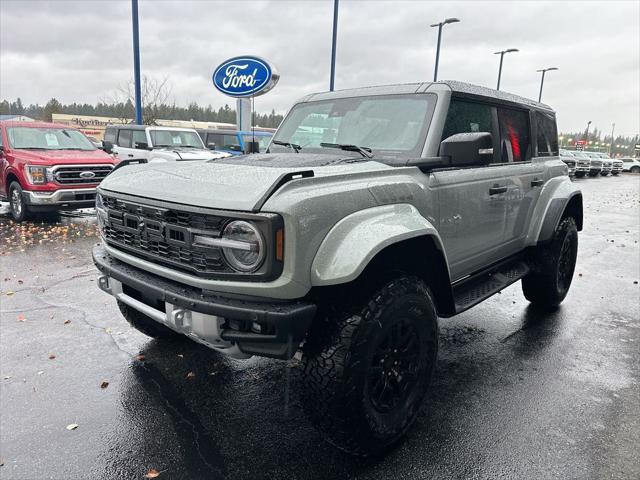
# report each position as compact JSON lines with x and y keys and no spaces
{"x":107,"y":146}
{"x":211,"y":145}
{"x":253,"y":147}
{"x":142,"y":146}
{"x":475,"y":148}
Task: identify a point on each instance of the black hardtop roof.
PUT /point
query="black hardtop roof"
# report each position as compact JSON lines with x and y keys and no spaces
{"x":458,"y":88}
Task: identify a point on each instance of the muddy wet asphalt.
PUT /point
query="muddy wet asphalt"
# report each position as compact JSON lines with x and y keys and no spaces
{"x":517,"y":394}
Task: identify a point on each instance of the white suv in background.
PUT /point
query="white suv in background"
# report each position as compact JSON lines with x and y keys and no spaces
{"x":156,"y":144}
{"x":630,"y":165}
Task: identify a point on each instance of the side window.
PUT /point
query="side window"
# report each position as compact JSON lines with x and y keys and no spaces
{"x":124,"y":138}
{"x":515,"y":139}
{"x":214,"y":138}
{"x":110,"y":135}
{"x":469,"y":117}
{"x":547,"y":135}
{"x":138,"y":136}
{"x":466,"y":117}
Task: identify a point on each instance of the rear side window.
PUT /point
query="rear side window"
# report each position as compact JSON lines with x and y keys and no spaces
{"x":515,"y":139}
{"x":547,"y":134}
{"x":110,"y":135}
{"x":124,"y":138}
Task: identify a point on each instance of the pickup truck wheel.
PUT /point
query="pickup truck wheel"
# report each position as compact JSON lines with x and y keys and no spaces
{"x":554,"y":263}
{"x":19,"y":210}
{"x":366,"y":371}
{"x":145,"y":324}
{"x":635,"y":169}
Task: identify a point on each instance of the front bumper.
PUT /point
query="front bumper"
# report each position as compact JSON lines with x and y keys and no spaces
{"x":234,"y":325}
{"x":60,"y":199}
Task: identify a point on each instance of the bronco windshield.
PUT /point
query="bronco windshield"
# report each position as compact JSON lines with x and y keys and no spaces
{"x":32,"y":138}
{"x":175,"y":139}
{"x":389,"y":125}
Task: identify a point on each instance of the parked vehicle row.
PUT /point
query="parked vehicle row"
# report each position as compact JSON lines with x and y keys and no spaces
{"x":47,"y":167}
{"x":582,"y":163}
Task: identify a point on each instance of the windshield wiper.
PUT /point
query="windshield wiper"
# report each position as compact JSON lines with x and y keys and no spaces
{"x":364,"y":151}
{"x":293,"y":146}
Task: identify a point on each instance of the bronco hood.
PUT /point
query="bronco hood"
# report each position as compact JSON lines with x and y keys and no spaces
{"x":237,"y":183}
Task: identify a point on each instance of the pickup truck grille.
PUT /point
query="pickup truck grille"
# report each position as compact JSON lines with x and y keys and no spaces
{"x":164,"y":235}
{"x":596,"y":163}
{"x":81,"y":174}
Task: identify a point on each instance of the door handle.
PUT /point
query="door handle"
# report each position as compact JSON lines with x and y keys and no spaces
{"x":130,"y":155}
{"x":537,"y":183}
{"x":495,"y":190}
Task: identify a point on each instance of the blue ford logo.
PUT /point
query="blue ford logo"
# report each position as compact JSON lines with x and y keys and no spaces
{"x":245,"y":77}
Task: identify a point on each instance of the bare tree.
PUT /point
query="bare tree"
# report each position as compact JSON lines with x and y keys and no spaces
{"x":154,"y":96}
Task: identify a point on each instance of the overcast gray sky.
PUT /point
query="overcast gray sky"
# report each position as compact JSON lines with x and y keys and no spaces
{"x":81,"y":51}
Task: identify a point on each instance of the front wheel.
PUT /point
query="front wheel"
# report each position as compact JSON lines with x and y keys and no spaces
{"x":366,"y":371}
{"x":17,"y":207}
{"x":553,"y":265}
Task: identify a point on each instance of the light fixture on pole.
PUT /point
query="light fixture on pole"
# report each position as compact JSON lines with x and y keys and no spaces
{"x":544,"y":70}
{"x":501,"y":53}
{"x":440,"y":25}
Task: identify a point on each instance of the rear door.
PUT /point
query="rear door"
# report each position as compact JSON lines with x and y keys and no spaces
{"x":525,"y":174}
{"x":472,"y":200}
{"x":122,"y":148}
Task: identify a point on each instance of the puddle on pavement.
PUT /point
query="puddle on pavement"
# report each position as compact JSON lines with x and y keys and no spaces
{"x":58,"y":231}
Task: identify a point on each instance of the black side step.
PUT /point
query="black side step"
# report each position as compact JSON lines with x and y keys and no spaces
{"x":481,"y":286}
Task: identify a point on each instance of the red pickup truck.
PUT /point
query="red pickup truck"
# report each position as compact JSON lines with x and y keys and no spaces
{"x":48,"y":167}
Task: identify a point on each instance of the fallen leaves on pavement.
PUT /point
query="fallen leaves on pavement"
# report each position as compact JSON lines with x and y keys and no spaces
{"x":72,"y":426}
{"x":104,"y":384}
{"x":153,"y":473}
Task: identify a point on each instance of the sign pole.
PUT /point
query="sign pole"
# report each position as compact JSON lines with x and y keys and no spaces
{"x":136,"y":60}
{"x":333,"y":46}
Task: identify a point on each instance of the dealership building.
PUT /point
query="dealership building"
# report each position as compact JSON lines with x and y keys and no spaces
{"x":94,"y":126}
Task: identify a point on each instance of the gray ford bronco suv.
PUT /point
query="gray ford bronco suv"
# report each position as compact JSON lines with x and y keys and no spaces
{"x":373,"y":212}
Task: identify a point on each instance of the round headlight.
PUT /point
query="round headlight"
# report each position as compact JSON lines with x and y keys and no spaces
{"x":245,"y":249}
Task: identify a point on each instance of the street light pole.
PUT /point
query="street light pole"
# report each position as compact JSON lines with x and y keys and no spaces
{"x":613,"y":127}
{"x":586,"y":132}
{"x":509,"y":50}
{"x":440,"y":25}
{"x":136,"y":60}
{"x":333,"y":45}
{"x":544,"y":70}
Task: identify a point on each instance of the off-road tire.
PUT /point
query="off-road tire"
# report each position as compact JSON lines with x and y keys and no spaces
{"x":18,"y":209}
{"x":553,"y":265}
{"x":145,"y":324}
{"x":347,"y":355}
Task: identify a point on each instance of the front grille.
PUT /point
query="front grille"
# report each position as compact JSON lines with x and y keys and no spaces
{"x":596,"y":163}
{"x":164,"y":235}
{"x":80,"y":174}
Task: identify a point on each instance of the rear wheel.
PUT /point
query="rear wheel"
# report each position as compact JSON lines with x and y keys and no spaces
{"x":553,"y":266}
{"x":366,"y":371}
{"x":145,"y":324}
{"x":17,"y":207}
{"x":635,"y":169}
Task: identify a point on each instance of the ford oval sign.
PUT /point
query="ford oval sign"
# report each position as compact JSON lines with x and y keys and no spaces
{"x":245,"y":77}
